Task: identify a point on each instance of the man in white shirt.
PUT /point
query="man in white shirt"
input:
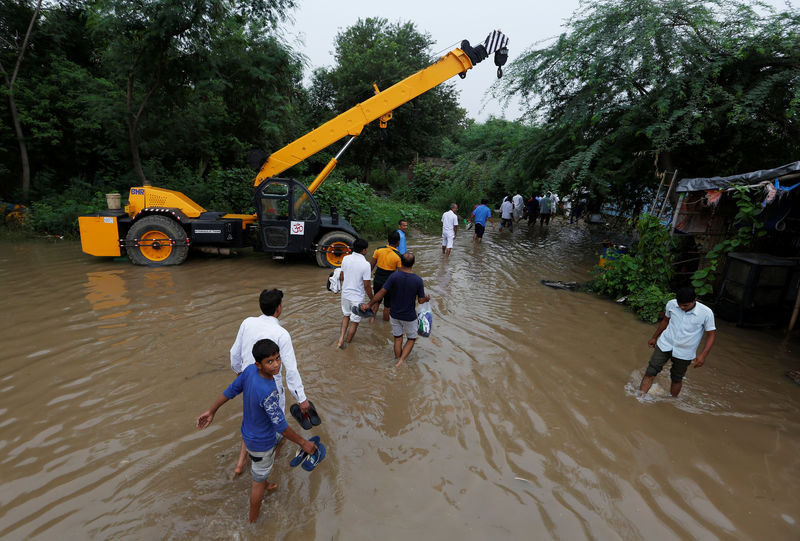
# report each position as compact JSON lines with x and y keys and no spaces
{"x":356,"y":279}
{"x":519,"y":205}
{"x":677,"y":337}
{"x":449,"y":228}
{"x":507,"y":214}
{"x":254,"y":329}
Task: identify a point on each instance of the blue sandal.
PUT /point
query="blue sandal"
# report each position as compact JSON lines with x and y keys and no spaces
{"x":301,"y":455}
{"x":311,"y":461}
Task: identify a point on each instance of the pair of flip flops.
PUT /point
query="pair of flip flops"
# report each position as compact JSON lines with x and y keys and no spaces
{"x":362,"y":313}
{"x":306,"y":461}
{"x":306,"y":420}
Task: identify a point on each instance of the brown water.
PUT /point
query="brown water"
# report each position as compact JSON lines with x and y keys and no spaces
{"x":515,"y":420}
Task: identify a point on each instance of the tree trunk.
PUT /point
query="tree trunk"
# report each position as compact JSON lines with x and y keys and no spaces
{"x":135,"y":158}
{"x":666,"y":161}
{"x":133,"y":128}
{"x":23,"y":148}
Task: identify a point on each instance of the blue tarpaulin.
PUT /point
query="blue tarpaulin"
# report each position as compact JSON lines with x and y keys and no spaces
{"x":722,"y":183}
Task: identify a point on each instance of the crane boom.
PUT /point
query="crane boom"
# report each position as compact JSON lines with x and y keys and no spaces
{"x":352,"y":121}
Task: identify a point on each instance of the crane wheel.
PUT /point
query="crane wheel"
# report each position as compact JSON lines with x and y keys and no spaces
{"x":332,"y":248}
{"x":150,"y":242}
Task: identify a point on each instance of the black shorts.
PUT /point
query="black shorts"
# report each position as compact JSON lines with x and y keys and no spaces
{"x":479,"y":229}
{"x":387,"y":299}
{"x":659,"y":358}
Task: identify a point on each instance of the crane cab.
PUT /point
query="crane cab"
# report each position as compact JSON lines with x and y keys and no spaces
{"x":290,"y":222}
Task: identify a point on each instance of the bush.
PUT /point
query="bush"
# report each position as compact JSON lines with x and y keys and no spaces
{"x":371,"y":215}
{"x":648,"y":302}
{"x":425,"y":180}
{"x":644,"y":274}
{"x":58,"y":214}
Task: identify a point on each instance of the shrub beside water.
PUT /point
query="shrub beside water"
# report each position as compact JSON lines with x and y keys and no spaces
{"x":643,"y":275}
{"x":58,"y":214}
{"x":371,"y":215}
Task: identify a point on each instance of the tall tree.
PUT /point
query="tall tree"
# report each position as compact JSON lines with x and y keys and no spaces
{"x":17,"y":45}
{"x":376,"y":51}
{"x":155,"y":45}
{"x":693,"y":84}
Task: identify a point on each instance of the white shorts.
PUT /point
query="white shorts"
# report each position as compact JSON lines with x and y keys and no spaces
{"x":447,"y":239}
{"x":400,"y":327}
{"x":347,"y":310}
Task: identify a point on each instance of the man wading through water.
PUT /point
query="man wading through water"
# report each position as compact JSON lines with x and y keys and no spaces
{"x":406,"y":289}
{"x":677,"y":336}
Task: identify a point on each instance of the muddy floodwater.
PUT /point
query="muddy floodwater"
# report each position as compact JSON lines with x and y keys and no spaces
{"x":516,"y":419}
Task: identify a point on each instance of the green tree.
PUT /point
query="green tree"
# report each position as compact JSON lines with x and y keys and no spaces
{"x":376,"y":51}
{"x":156,"y":47}
{"x":498,"y":146}
{"x":12,"y":51}
{"x":695,"y":85}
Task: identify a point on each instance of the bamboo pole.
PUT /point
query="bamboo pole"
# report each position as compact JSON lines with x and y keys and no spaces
{"x":674,"y":223}
{"x":669,"y":191}
{"x":658,"y":192}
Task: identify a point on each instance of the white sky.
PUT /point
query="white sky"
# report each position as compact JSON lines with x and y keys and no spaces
{"x":316,"y":23}
{"x":525,"y":22}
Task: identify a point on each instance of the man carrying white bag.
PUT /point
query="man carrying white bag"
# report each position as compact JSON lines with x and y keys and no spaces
{"x":407,"y":289}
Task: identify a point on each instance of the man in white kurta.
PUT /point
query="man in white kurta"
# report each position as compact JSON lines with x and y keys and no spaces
{"x":519,"y":206}
{"x":449,"y":228}
{"x":254,"y":329}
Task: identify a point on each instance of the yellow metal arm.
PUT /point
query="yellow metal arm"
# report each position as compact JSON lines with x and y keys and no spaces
{"x":352,"y":121}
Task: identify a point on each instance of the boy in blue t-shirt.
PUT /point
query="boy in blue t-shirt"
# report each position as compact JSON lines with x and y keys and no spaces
{"x":263,"y":418}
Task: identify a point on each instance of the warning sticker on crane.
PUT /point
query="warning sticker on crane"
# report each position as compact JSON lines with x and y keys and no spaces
{"x":297,"y":228}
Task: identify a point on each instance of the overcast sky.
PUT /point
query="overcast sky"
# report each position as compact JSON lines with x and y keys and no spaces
{"x":316,"y":23}
{"x":525,"y":22}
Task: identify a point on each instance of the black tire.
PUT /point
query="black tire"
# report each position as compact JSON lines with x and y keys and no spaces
{"x":331,"y":248}
{"x":149,"y":242}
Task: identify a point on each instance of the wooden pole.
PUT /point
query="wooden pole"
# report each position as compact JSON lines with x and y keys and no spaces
{"x":658,"y":192}
{"x":669,"y":191}
{"x":675,"y":214}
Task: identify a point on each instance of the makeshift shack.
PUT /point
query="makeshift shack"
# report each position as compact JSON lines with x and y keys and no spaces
{"x":760,"y":287}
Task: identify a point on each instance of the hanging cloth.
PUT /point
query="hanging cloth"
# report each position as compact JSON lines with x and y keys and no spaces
{"x":713,"y":197}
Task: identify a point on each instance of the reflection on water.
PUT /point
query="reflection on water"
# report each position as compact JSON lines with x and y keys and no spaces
{"x":516,"y":419}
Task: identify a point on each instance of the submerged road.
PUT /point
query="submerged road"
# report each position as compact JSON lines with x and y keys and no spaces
{"x":516,"y":419}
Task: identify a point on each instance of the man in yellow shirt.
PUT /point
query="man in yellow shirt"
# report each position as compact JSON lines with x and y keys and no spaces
{"x":385,"y":261}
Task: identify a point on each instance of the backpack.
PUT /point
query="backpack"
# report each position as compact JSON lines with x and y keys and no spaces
{"x":333,"y":284}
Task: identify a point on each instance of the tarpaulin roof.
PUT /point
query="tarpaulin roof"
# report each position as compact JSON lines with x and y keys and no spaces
{"x":721,"y":183}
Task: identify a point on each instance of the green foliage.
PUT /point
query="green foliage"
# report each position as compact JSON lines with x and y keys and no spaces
{"x":228,"y":190}
{"x":464,"y":184}
{"x":208,"y":82}
{"x":56,"y":214}
{"x":425,"y":180}
{"x":748,"y":226}
{"x":643,"y":275}
{"x":371,"y":215}
{"x":496,"y":149}
{"x":648,"y":302}
{"x":375,"y":50}
{"x":693,"y":84}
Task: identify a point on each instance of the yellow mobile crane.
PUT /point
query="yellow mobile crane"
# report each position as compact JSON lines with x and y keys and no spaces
{"x":158,"y":226}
